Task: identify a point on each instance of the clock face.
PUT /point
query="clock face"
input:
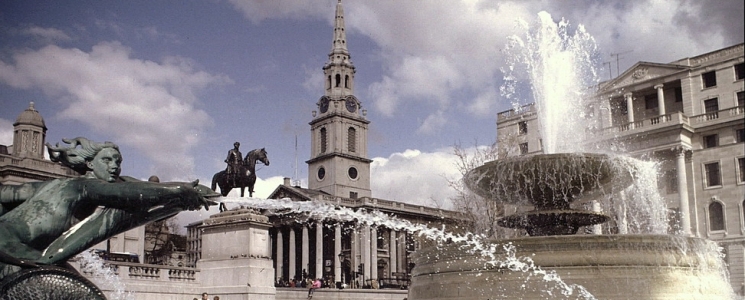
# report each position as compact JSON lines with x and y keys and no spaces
{"x":324,"y":105}
{"x":351,"y":105}
{"x":321,"y":173}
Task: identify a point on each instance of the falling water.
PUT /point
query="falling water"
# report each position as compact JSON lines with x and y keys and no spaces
{"x":560,"y":65}
{"x":493,"y":255}
{"x":95,"y":268}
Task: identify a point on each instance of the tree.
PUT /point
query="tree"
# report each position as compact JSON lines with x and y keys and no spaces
{"x":482,"y":214}
{"x":159,"y":241}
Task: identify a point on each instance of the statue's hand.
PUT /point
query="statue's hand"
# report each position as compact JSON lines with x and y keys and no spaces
{"x":205,"y":194}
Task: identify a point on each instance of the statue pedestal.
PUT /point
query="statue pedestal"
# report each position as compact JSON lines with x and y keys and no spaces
{"x":236,"y":260}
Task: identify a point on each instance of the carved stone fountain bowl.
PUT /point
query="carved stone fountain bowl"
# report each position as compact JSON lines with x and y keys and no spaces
{"x":546,"y":181}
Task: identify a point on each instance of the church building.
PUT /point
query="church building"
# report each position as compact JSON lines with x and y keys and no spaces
{"x":339,"y":174}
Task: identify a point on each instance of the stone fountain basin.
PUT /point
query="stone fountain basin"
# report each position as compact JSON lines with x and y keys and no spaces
{"x":546,"y":180}
{"x":608,"y":266}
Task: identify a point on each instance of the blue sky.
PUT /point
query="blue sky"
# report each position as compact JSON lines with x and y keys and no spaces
{"x":175,"y":83}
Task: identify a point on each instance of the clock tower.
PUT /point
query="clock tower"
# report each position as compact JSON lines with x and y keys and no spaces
{"x":339,"y":164}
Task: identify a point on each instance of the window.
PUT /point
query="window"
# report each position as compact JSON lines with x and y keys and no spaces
{"x":711,"y":105}
{"x":522,"y":127}
{"x":711,"y":141}
{"x":709,"y":79}
{"x":353,"y":195}
{"x":741,"y":98}
{"x":716,"y":216}
{"x":712,"y":174}
{"x":352,"y":139}
{"x":523,"y":148}
{"x":650,"y":101}
{"x":338,"y":80}
{"x":740,"y":71}
{"x":741,"y":169}
{"x":740,"y":135}
{"x":323,"y":140}
{"x":678,"y":91}
{"x":352,"y":172}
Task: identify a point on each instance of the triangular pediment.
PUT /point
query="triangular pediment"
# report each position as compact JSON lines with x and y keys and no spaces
{"x":641,"y":72}
{"x":295,"y":193}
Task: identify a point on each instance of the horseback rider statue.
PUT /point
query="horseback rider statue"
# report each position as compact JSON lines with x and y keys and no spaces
{"x":235,"y":163}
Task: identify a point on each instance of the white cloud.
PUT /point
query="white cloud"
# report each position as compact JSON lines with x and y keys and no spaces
{"x":415,"y":177}
{"x":432,"y":123}
{"x":143,"y":104}
{"x":46,"y":34}
{"x":257,"y":11}
{"x":6,"y":132}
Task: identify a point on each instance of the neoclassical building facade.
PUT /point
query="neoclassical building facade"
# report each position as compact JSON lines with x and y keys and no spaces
{"x":688,"y":115}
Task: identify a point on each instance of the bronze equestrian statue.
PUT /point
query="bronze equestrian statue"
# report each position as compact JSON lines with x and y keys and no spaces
{"x":246,"y":177}
{"x":43,"y":224}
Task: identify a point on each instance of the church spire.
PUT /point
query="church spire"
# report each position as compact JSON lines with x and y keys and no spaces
{"x":339,"y":45}
{"x":339,"y":70}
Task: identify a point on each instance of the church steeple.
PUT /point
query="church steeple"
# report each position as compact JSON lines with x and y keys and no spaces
{"x":339,"y":70}
{"x":338,"y":162}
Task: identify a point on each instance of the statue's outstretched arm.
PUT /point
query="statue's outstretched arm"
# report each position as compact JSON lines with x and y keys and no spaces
{"x":142,"y":195}
{"x":112,"y":220}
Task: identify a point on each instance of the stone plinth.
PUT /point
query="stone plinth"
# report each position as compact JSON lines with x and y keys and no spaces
{"x":236,"y":258}
{"x":607,"y":266}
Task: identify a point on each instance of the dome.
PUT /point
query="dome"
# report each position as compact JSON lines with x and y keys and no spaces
{"x":30,"y":116}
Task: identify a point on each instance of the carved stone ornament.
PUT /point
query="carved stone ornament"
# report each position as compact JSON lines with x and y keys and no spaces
{"x":640,"y":73}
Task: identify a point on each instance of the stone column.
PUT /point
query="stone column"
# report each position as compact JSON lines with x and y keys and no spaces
{"x":660,"y":99}
{"x":337,"y":250}
{"x":292,"y":257}
{"x":365,"y":244}
{"x":393,"y":261}
{"x":402,"y":262}
{"x":630,"y":108}
{"x":319,"y":249}
{"x":374,"y":253}
{"x":280,"y":254}
{"x":354,"y":253}
{"x":304,"y":261}
{"x":685,"y":215}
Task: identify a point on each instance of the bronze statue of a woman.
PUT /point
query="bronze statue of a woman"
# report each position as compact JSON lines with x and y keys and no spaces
{"x":49,"y":222}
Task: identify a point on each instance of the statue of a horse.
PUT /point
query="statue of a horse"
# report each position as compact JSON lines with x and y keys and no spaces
{"x":246,"y":176}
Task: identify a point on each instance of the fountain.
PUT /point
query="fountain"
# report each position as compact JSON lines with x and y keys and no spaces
{"x":553,"y":261}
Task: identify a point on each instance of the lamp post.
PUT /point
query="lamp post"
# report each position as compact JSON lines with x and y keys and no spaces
{"x":341,"y":266}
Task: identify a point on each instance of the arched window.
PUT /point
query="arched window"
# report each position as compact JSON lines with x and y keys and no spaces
{"x":716,"y":216}
{"x":323,"y":140}
{"x":346,"y":81}
{"x":352,"y":139}
{"x":328,"y":84}
{"x":338,"y":80}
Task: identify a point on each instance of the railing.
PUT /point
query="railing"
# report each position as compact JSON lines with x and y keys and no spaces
{"x":126,"y":271}
{"x":730,"y":112}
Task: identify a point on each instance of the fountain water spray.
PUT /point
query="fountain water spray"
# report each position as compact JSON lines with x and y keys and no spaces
{"x":490,"y":255}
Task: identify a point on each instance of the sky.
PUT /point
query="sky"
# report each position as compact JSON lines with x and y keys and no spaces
{"x":175,"y":83}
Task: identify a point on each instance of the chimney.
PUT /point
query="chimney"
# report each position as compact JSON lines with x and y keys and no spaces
{"x":287,"y":181}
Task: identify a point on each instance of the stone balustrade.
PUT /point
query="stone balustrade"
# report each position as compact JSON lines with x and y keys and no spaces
{"x":126,"y":271}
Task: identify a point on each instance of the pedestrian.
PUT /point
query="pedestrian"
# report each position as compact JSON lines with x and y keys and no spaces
{"x":205,"y":296}
{"x":312,"y":287}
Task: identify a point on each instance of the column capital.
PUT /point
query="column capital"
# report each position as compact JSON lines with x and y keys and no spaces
{"x":681,"y":150}
{"x":628,"y":95}
{"x":659,"y":86}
